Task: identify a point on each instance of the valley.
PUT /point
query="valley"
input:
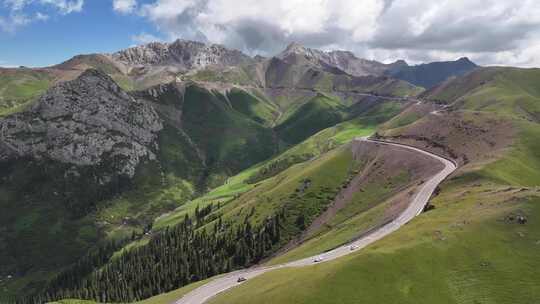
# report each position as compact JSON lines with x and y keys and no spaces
{"x":164,"y":172}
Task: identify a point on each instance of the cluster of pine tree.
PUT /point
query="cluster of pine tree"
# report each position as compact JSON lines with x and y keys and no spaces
{"x":176,"y":257}
{"x":83,"y":267}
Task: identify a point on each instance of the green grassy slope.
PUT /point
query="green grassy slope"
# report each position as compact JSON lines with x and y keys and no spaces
{"x":469,"y":249}
{"x":304,"y":191}
{"x":96,"y":61}
{"x":328,"y":139}
{"x":230,"y":140}
{"x":318,"y":113}
{"x":462,"y":252}
{"x":507,"y":91}
{"x":280,"y":191}
{"x":253,"y":107}
{"x":520,"y":165}
{"x":501,"y":90}
{"x":316,"y":145}
{"x":366,"y":210}
{"x":37,"y":220}
{"x":18,"y":87}
{"x":99,"y":62}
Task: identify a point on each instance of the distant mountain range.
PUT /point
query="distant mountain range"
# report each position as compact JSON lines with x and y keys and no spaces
{"x":189,"y":55}
{"x":430,"y":74}
{"x":342,"y":60}
{"x":147,"y":65}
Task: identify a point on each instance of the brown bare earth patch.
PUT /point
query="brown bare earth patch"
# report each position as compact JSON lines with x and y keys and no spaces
{"x":462,"y":135}
{"x":379,"y":165}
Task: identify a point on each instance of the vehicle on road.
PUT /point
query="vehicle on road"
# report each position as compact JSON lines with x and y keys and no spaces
{"x":241,"y":279}
{"x":198,"y":296}
{"x":353,"y":247}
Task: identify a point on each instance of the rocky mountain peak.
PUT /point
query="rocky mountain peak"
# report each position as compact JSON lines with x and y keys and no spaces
{"x":399,"y":62}
{"x":182,"y":54}
{"x":92,"y":78}
{"x":89,"y":121}
{"x":295,"y":50}
{"x":343,"y":54}
{"x":295,"y":47}
{"x":345,"y":61}
{"x":466,"y":61}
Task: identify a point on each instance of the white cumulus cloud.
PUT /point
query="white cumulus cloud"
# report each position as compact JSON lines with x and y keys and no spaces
{"x":64,"y":6}
{"x":16,"y":14}
{"x":488,"y":31}
{"x":124,"y":6}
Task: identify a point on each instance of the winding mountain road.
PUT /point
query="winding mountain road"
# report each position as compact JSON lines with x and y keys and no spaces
{"x":218,"y":285}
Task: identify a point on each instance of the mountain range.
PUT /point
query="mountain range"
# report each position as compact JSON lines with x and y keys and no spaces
{"x":168,"y":163}
{"x":147,"y":65}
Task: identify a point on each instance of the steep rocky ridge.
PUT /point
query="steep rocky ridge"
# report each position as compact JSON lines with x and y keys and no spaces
{"x":343,"y":60}
{"x":82,"y":121}
{"x":183,"y":54}
{"x":298,"y":70}
{"x":83,"y":142}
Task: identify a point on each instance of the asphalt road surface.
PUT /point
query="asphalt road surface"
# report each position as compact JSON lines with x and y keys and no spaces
{"x":227,"y":281}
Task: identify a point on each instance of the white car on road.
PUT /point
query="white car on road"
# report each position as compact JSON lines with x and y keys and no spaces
{"x":241,"y":279}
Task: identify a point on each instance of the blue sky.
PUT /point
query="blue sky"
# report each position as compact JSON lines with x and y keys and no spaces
{"x":489,"y":32}
{"x":96,"y":28}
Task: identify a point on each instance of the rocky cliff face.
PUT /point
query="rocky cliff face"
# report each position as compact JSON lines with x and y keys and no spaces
{"x":83,"y":122}
{"x":182,"y":54}
{"x":342,"y":60}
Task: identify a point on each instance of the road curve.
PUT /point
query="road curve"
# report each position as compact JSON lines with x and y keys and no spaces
{"x":211,"y":289}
